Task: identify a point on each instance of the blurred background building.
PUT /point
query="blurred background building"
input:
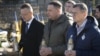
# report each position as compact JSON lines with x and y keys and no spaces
{"x":9,"y":7}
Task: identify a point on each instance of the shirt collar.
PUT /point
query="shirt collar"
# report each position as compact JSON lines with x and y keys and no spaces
{"x":82,"y":25}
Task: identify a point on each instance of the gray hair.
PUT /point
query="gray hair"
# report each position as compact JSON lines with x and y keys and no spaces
{"x":81,"y":6}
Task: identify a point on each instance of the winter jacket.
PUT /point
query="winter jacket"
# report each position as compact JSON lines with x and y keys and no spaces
{"x":54,"y":35}
{"x":87,"y":42}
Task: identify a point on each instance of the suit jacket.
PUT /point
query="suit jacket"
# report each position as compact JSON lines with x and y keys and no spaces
{"x":31,"y":40}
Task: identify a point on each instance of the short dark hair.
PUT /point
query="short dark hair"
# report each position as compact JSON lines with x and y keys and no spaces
{"x":82,"y":6}
{"x":26,"y":5}
{"x":71,"y":1}
{"x":98,"y":7}
{"x":56,"y":4}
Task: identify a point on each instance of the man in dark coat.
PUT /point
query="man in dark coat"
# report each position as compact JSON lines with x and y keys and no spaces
{"x":97,"y":14}
{"x":31,"y":32}
{"x":85,"y":34}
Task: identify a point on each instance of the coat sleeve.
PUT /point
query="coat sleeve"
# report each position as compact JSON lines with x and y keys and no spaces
{"x":58,"y":50}
{"x":20,"y":44}
{"x":39,"y":39}
{"x":95,"y":50}
{"x":40,"y":34}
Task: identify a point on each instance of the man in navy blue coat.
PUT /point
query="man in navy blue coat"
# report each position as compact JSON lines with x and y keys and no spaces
{"x":84,"y":32}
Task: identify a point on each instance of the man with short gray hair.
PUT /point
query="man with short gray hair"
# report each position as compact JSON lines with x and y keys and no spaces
{"x":85,"y":33}
{"x":31,"y":32}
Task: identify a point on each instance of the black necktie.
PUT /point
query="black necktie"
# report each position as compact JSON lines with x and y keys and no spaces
{"x":26,"y":28}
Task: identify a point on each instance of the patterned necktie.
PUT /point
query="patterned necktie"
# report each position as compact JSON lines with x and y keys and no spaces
{"x":26,"y":28}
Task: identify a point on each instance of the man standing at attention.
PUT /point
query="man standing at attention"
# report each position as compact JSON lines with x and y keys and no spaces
{"x":31,"y":32}
{"x":84,"y":33}
{"x":54,"y":31}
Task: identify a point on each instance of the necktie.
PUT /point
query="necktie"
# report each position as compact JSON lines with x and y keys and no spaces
{"x":26,"y":28}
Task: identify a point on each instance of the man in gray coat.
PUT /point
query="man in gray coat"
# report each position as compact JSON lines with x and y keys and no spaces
{"x":54,"y":31}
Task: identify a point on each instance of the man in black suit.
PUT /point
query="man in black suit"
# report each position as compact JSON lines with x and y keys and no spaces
{"x":31,"y":32}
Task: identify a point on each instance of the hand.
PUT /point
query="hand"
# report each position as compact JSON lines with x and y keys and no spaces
{"x":70,"y":53}
{"x":49,"y":50}
{"x":44,"y":51}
